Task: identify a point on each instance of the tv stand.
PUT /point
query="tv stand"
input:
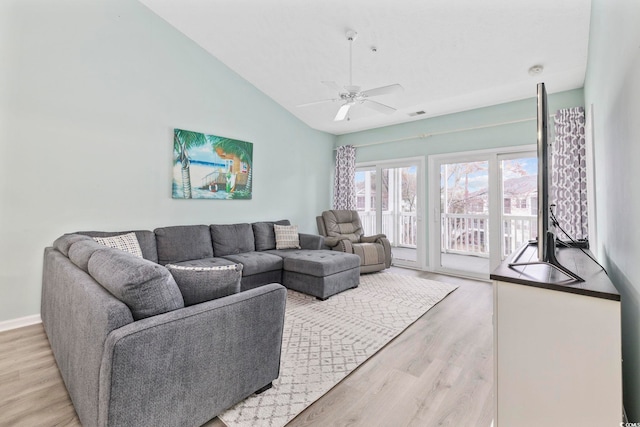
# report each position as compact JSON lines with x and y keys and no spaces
{"x":557,"y":344}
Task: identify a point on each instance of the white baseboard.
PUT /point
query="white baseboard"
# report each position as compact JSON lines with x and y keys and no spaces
{"x":20,"y":322}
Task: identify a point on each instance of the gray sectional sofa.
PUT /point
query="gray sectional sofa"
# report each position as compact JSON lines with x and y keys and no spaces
{"x":135,"y":347}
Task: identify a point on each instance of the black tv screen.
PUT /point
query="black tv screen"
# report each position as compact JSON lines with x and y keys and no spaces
{"x":543,"y":173}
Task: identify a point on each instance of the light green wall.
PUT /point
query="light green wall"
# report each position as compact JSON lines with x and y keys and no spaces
{"x":507,"y":135}
{"x":90,"y":92}
{"x":612,"y":87}
{"x":479,"y":139}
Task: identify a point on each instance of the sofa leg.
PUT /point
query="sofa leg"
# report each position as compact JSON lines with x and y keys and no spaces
{"x":322,"y":299}
{"x":265,"y":388}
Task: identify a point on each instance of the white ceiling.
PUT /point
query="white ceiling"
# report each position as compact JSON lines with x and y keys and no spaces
{"x":449,"y":55}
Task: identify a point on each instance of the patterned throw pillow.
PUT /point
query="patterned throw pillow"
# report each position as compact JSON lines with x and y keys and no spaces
{"x":287,"y":236}
{"x":125,"y":242}
{"x":200,"y":284}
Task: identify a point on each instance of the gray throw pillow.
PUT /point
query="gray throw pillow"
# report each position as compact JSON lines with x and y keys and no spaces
{"x":145,"y":287}
{"x":200,"y":284}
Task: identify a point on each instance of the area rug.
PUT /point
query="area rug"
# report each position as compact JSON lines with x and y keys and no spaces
{"x":324,"y":341}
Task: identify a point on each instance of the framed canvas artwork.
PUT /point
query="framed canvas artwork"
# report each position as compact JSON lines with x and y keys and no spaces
{"x":210,"y":166}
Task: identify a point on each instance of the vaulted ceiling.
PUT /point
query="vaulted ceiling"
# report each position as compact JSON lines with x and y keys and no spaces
{"x":448,"y":55}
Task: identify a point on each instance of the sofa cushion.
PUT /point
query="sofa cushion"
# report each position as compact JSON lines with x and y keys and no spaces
{"x":319,"y":263}
{"x":125,"y":242}
{"x":256,"y":262}
{"x":64,"y":242}
{"x":200,"y":284}
{"x":287,"y":236}
{"x":264,"y":235}
{"x":80,"y":252}
{"x":183,"y":243}
{"x":231,"y":239}
{"x":146,"y":240}
{"x":145,"y":287}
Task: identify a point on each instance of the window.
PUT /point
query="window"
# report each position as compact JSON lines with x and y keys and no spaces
{"x":523,"y":203}
{"x":507,"y":205}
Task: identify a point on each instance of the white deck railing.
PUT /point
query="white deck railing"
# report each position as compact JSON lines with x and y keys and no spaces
{"x":469,"y":234}
{"x":401,"y":228}
{"x":518,"y":229}
{"x":465,"y":234}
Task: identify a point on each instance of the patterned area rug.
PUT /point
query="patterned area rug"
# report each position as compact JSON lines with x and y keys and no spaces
{"x":324,"y":341}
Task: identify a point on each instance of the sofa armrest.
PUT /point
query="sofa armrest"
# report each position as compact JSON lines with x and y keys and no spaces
{"x":343,"y":245}
{"x":372,"y":239}
{"x":333,"y":241}
{"x":382,"y":240}
{"x":208,"y":356}
{"x":311,"y":241}
{"x":78,"y":314}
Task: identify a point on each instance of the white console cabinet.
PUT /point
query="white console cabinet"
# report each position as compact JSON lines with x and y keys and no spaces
{"x":557,"y":346}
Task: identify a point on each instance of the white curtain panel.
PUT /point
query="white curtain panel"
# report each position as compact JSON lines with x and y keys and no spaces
{"x":344,"y":186}
{"x":569,"y":173}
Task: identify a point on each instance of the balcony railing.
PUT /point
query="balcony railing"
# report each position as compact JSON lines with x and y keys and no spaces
{"x":465,"y":234}
{"x":518,"y":229}
{"x":404,"y":233}
{"x":468,"y":234}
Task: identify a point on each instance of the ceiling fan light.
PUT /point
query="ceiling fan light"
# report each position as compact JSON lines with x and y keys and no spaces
{"x":342,"y":112}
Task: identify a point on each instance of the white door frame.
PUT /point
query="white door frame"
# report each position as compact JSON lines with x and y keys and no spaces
{"x":491,"y":156}
{"x":420,"y":191}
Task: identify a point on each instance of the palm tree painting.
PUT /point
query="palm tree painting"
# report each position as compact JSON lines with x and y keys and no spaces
{"x":211,"y":167}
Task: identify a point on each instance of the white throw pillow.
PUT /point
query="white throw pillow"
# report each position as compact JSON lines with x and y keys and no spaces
{"x":125,"y":242}
{"x":287,"y":236}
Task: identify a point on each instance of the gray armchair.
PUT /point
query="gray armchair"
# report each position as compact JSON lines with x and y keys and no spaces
{"x":343,"y":232}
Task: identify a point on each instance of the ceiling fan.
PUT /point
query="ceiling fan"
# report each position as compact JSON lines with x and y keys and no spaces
{"x":352,"y":95}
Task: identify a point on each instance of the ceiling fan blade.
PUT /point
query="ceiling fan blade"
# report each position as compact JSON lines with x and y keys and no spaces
{"x":342,"y":112}
{"x":317,"y":102}
{"x":333,"y":86}
{"x":384,"y":90}
{"x":378,"y":106}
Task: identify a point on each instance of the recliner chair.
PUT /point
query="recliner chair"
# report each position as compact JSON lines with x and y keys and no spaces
{"x":343,"y":231}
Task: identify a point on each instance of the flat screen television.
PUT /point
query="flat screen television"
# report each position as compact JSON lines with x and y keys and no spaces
{"x":543,"y":173}
{"x":546,"y":240}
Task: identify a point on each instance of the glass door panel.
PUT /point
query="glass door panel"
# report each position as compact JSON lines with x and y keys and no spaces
{"x":464,"y":216}
{"x":519,"y":196}
{"x":388,"y":203}
{"x":366,"y":199}
{"x":399,"y":212}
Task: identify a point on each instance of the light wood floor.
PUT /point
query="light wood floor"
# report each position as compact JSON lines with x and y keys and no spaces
{"x":439,"y":372}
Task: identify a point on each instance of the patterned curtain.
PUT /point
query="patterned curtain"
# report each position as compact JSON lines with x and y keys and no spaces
{"x":569,"y":172}
{"x":344,"y":187}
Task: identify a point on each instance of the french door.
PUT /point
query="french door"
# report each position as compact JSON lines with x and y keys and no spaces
{"x":389,"y":201}
{"x":483,"y":206}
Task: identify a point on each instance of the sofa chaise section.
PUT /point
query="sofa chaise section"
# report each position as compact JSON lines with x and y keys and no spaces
{"x":321,"y":273}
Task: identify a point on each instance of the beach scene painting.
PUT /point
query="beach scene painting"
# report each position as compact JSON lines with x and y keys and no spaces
{"x":210,"y":166}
